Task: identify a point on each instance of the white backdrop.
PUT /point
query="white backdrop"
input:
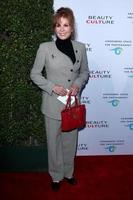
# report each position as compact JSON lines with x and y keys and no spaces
{"x":106,"y":27}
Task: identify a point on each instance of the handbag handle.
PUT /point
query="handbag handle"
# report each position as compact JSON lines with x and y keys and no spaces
{"x":68,"y":104}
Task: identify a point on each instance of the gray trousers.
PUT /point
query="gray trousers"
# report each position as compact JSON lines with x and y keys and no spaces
{"x":61,"y":150}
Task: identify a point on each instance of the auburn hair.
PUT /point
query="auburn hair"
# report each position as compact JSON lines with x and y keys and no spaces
{"x":65,"y":13}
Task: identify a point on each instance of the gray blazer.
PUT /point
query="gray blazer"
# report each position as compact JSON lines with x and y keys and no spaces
{"x":59,"y":70}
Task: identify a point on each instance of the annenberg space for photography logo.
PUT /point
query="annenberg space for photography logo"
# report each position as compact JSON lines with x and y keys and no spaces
{"x":128,"y":71}
{"x":97,"y":124}
{"x":114,"y":99}
{"x":100,"y":74}
{"x":118,"y":46}
{"x":100,"y":19}
{"x":127,"y":122}
{"x":111,"y":145}
{"x":117,"y":50}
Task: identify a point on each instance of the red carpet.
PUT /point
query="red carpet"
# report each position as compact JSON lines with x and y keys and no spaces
{"x":99,"y":178}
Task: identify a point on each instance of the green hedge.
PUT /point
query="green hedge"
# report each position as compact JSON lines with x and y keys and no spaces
{"x":24,"y":25}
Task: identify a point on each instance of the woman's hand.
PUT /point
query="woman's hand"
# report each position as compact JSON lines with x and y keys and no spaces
{"x":60,"y":90}
{"x":74,"y":90}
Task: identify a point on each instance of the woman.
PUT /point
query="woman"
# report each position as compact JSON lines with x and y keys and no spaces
{"x":65,"y":63}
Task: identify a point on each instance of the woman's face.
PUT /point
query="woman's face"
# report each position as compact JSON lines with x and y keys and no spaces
{"x":63,"y":29}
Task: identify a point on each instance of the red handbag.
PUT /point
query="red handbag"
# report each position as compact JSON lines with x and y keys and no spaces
{"x":73,"y":117}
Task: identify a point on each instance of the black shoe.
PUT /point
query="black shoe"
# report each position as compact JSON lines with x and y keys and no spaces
{"x":55,"y":186}
{"x":71,"y":181}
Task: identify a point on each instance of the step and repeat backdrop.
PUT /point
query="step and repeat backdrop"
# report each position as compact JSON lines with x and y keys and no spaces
{"x":106,"y":28}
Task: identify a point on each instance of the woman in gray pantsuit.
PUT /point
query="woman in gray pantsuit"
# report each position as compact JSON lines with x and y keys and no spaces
{"x":65,"y":63}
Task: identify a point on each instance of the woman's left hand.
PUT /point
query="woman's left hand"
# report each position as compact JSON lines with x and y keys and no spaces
{"x":74,"y":90}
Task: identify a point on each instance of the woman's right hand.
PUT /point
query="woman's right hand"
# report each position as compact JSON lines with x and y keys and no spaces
{"x":59,"y":90}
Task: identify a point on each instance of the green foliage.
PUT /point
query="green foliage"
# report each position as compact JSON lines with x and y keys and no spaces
{"x":24,"y":25}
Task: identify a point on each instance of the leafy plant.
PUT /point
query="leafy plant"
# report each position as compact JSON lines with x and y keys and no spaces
{"x":24,"y":25}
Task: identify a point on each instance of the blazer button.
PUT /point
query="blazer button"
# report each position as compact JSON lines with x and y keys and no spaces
{"x":71,"y":70}
{"x":77,"y":61}
{"x":69,"y":80}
